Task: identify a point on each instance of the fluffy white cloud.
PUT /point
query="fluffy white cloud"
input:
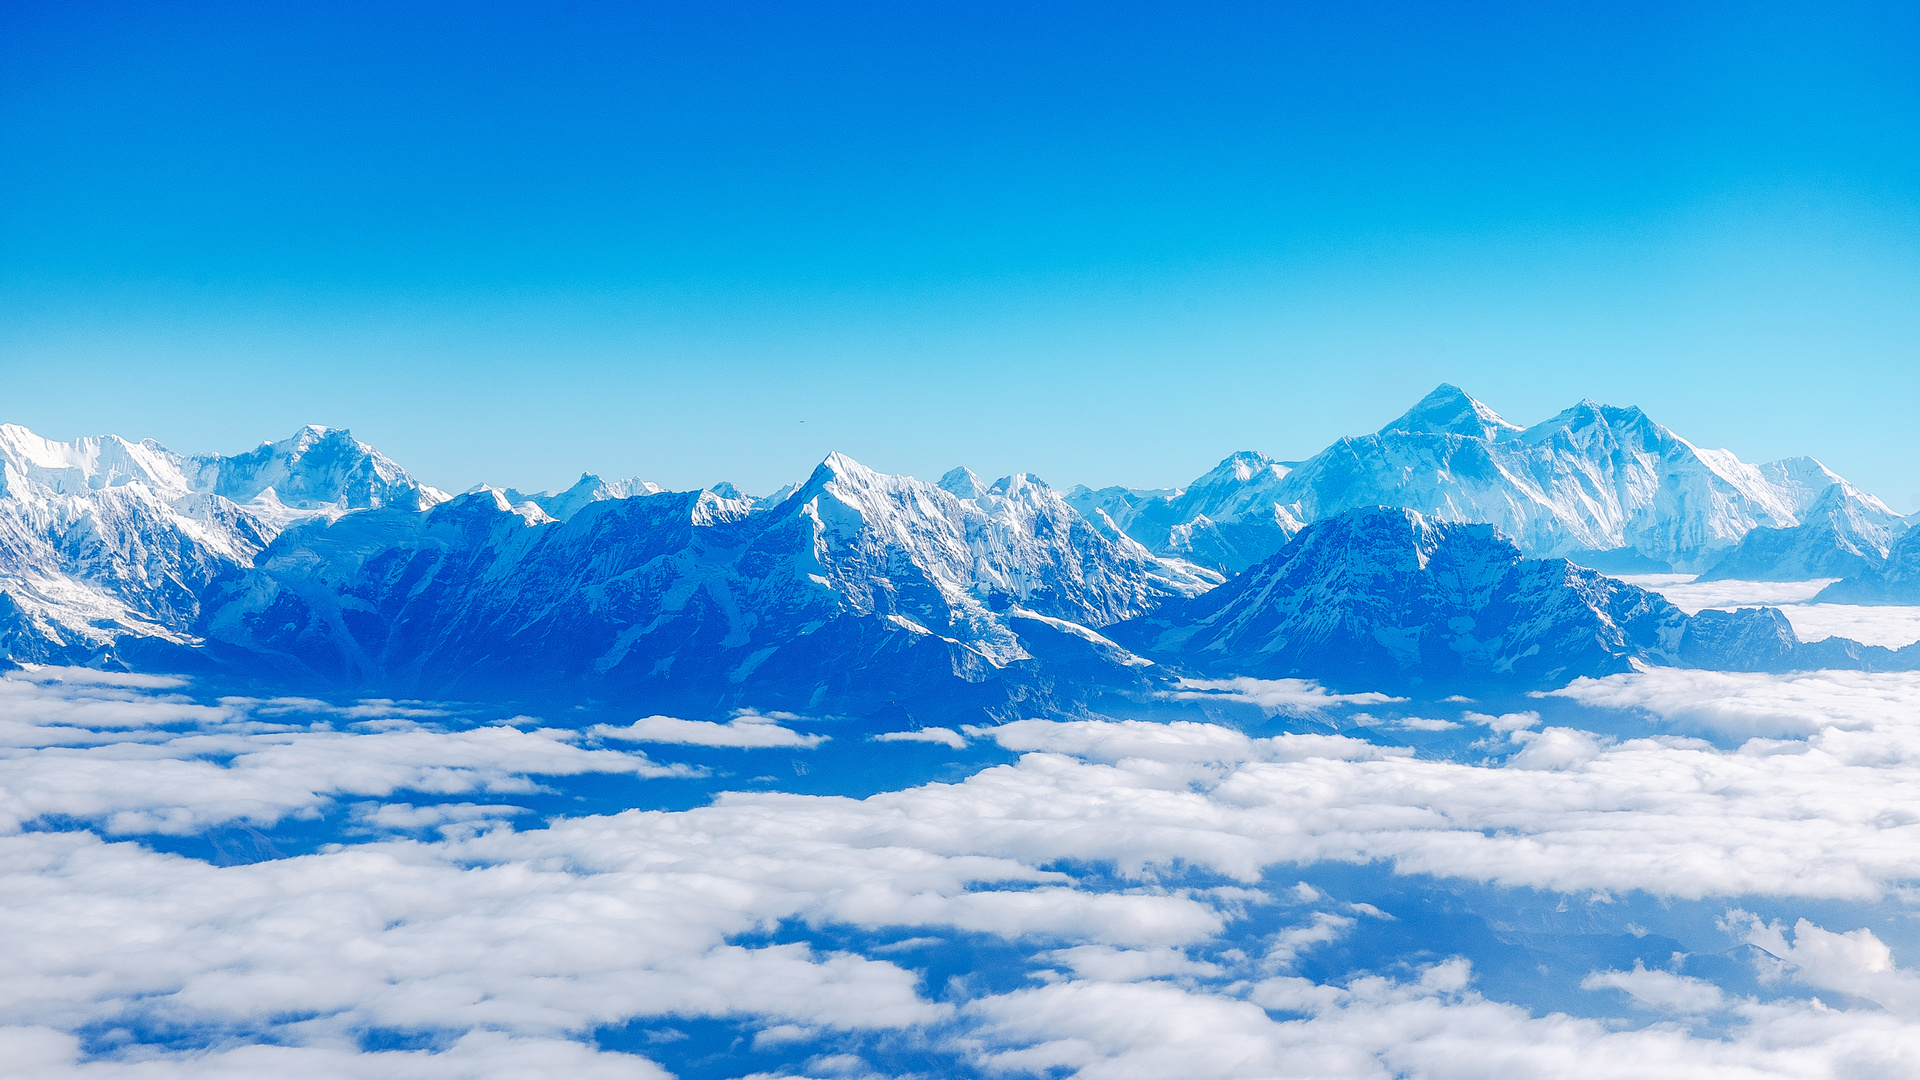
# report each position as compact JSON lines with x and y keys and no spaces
{"x":1181,"y":741}
{"x":748,"y":730}
{"x":146,"y":762}
{"x":1658,"y":989}
{"x":365,"y":709}
{"x":596,"y":920}
{"x":47,"y":1054}
{"x":1431,"y":1026}
{"x":1835,"y":815}
{"x":449,"y":819}
{"x":1690,"y":596}
{"x":1892,"y":626}
{"x":1108,"y":964}
{"x":941,"y":735}
{"x":1855,"y":962}
{"x":42,"y":706}
{"x":1554,"y":748}
{"x":1293,"y":696}
{"x":1743,"y":704}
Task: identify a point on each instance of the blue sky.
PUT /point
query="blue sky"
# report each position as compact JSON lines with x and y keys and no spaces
{"x":1106,"y":244}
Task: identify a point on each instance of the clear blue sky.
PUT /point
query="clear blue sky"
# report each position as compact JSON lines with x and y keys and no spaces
{"x":1104,"y":243}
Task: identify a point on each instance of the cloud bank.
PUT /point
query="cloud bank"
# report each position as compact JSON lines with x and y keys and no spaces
{"x":1104,"y":853}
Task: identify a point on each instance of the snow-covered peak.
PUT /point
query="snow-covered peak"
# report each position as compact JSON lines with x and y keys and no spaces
{"x":963,"y":483}
{"x":485,"y":498}
{"x":316,"y":469}
{"x":1021,"y":485}
{"x":1593,"y":426}
{"x":1234,"y":484}
{"x":1449,"y":410}
{"x":875,"y":533}
{"x":775,"y":498}
{"x":1241,"y":467}
{"x":89,"y":464}
{"x":1386,"y":596}
{"x":1806,"y":482}
{"x":589,"y":489}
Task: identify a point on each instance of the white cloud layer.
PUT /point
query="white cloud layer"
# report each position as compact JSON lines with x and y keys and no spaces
{"x":1744,"y":704}
{"x":1690,"y":596}
{"x":1892,"y":626}
{"x":940,"y":735}
{"x":144,"y":763}
{"x":1292,"y":696}
{"x":597,"y":920}
{"x":747,"y":731}
{"x":48,"y":1054}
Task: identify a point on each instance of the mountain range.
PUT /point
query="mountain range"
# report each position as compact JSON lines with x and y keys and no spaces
{"x":1604,"y":486}
{"x":1433,"y":552}
{"x":1387,"y":598}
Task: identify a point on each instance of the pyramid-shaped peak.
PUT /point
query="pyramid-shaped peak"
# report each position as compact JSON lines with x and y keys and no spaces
{"x":840,"y":462}
{"x":313,"y":434}
{"x":961,"y":481}
{"x":1449,"y":410}
{"x":844,"y":472}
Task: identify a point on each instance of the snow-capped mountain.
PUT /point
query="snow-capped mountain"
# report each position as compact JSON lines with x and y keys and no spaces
{"x":1843,"y":534}
{"x":1229,"y":519}
{"x":1387,"y":597}
{"x":1601,"y":484}
{"x":1895,"y":581}
{"x":317,"y":560}
{"x":318,"y":470}
{"x":106,"y":544}
{"x":857,"y":587}
{"x":1383,"y":596}
{"x":589,"y":489}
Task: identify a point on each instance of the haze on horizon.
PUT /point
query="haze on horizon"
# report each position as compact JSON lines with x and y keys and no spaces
{"x":1104,"y":245}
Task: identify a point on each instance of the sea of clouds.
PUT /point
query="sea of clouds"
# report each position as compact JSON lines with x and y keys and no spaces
{"x":1888,"y":625}
{"x":1668,"y":873}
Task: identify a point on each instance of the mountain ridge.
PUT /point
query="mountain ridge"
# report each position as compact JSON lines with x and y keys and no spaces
{"x":317,"y":560}
{"x":1592,"y":482}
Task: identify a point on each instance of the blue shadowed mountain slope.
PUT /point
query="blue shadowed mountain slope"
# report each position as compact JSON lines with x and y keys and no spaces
{"x":856,"y":590}
{"x":1897,"y":581}
{"x":1386,"y":597}
{"x":1844,"y":534}
{"x":106,"y":544}
{"x":859,"y":592}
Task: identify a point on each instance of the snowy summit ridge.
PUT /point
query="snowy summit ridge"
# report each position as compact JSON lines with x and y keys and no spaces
{"x":1602,"y":485}
{"x":1429,"y":550}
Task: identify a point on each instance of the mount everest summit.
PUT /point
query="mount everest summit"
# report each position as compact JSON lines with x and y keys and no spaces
{"x":1601,"y":485}
{"x":316,"y":561}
